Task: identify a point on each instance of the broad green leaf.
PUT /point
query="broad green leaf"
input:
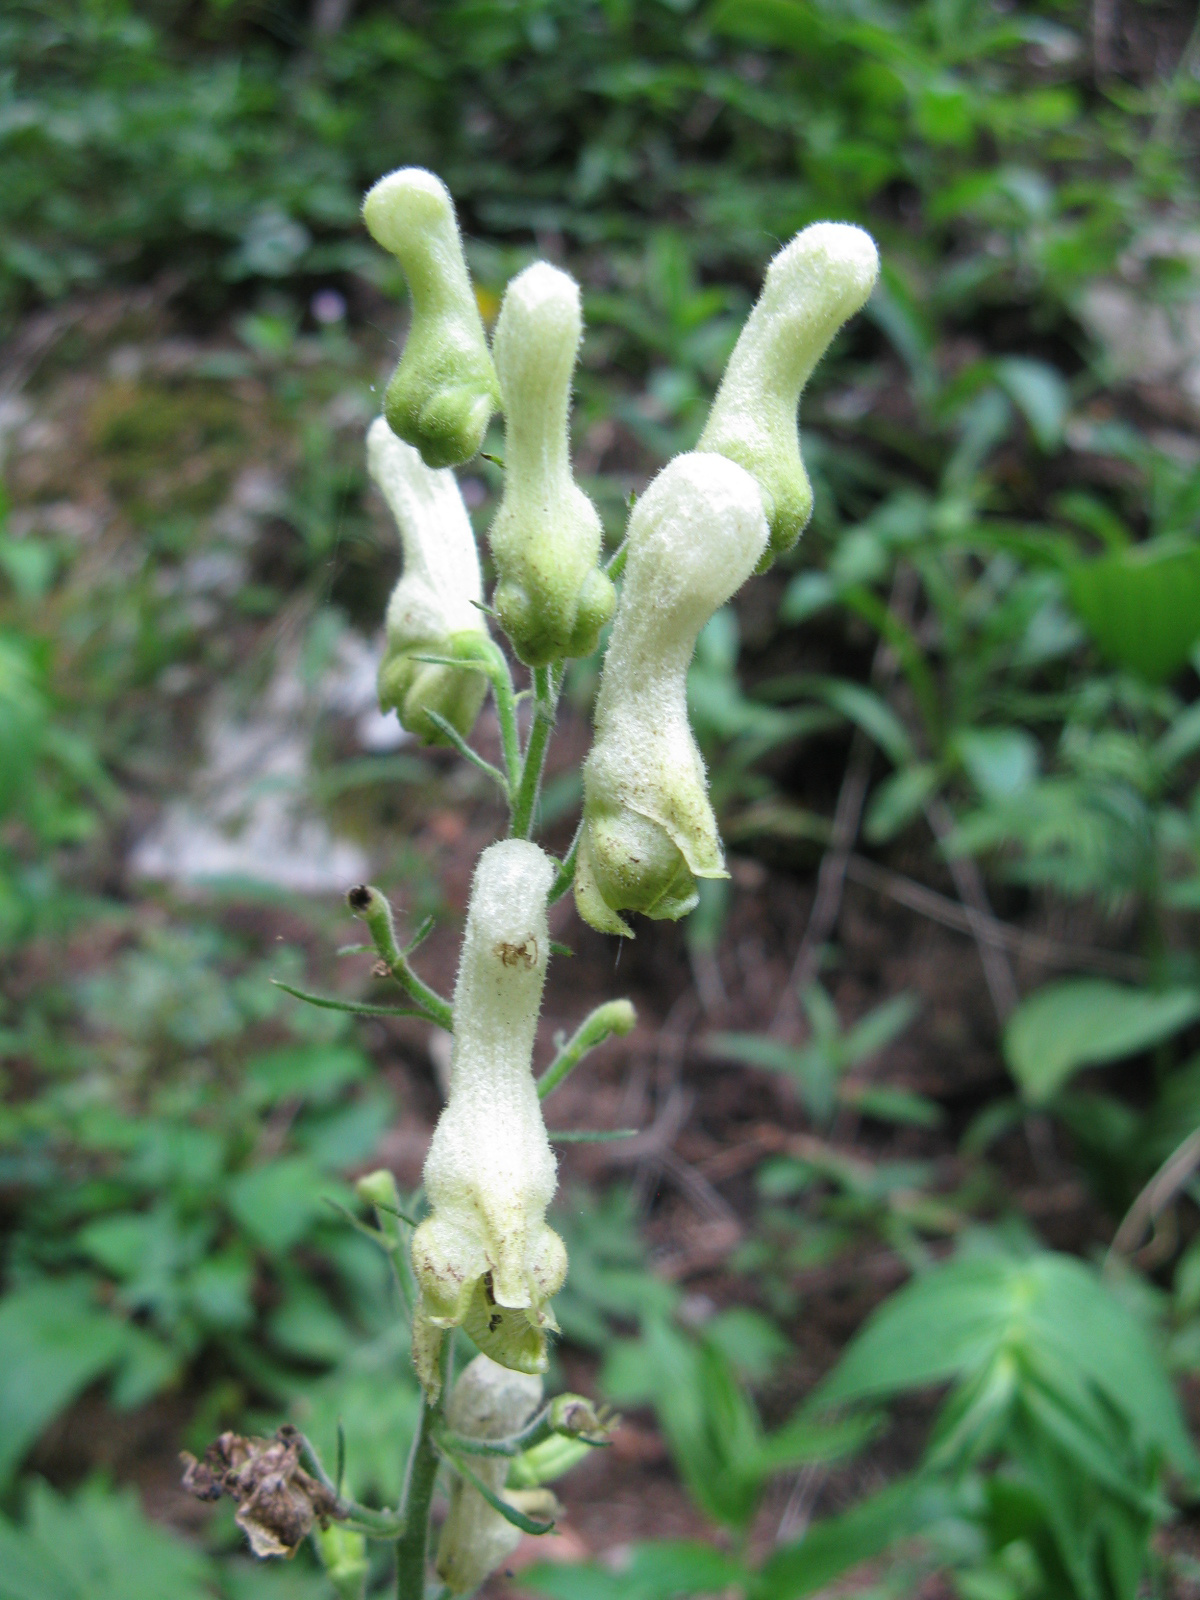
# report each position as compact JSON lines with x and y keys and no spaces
{"x":1141,"y":606}
{"x":625,"y":1376}
{"x":583,"y":1582}
{"x":53,"y":1344}
{"x":867,"y":710}
{"x":1181,"y":740}
{"x":277,"y":1204}
{"x":121,"y":1244}
{"x":98,"y":1545}
{"x":346,"y":1135}
{"x":970,"y":1303}
{"x":758,"y":1050}
{"x":1083,"y":1022}
{"x":679,"y":1566}
{"x":248,"y":1579}
{"x":805,"y":595}
{"x":1051,"y":1314}
{"x":150,"y":1366}
{"x":306,"y":1325}
{"x":220,"y":1289}
{"x":1075,"y":1315}
{"x":313,"y":1072}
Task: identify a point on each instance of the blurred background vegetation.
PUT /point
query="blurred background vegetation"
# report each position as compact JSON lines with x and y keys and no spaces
{"x":939,"y":1030}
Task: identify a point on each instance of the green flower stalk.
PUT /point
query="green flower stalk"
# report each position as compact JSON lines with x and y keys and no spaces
{"x":435,"y":607}
{"x":551,"y":596}
{"x":488,"y":1402}
{"x":812,"y":287}
{"x":485,"y":1259}
{"x":648,"y":828}
{"x":444,"y":390}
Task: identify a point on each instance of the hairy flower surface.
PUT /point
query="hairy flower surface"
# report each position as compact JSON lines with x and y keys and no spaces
{"x":444,"y":390}
{"x":812,"y":286}
{"x":488,"y":1402}
{"x":648,"y":829}
{"x":551,"y":596}
{"x":484,"y":1258}
{"x":430,"y":611}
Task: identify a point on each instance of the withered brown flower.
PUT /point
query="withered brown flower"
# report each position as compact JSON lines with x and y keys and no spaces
{"x":278,"y":1502}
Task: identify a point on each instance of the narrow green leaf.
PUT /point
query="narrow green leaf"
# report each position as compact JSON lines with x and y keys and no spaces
{"x":359,"y":1008}
{"x":1084,"y":1022}
{"x":585,"y":1136}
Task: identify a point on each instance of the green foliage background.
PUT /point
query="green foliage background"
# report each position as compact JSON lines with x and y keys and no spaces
{"x":1008,"y":496}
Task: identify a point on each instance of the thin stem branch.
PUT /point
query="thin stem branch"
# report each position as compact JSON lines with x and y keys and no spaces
{"x":952,"y":914}
{"x":539,"y":1427}
{"x":376,"y":1524}
{"x":484,"y":655}
{"x":566,"y":869}
{"x":506,"y":715}
{"x":372,"y":908}
{"x":464,"y":749}
{"x":510,"y":1513}
{"x":615,"y":1016}
{"x":1167,"y":1183}
{"x":379,"y":1190}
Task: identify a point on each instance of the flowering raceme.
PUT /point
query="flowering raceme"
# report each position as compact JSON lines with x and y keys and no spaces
{"x":473,"y":1249}
{"x":485,"y":1258}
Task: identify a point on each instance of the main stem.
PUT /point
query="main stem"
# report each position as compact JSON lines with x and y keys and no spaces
{"x":545,"y":691}
{"x":412,"y":1546}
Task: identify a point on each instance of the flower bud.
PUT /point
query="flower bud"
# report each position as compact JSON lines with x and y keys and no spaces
{"x":444,"y":390}
{"x":545,"y":1462}
{"x":575,"y":1417}
{"x":812,"y":286}
{"x":648,"y":829}
{"x":487,"y":1402}
{"x":552,"y":597}
{"x":485,"y":1259}
{"x":379,"y":1189}
{"x":431,"y":611}
{"x":344,"y":1556}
